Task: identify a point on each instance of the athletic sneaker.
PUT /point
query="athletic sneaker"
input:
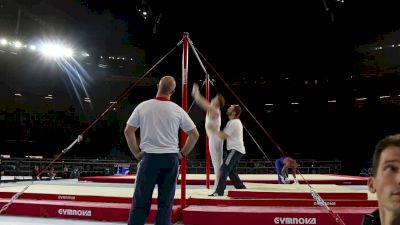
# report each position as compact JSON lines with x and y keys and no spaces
{"x":215,"y":194}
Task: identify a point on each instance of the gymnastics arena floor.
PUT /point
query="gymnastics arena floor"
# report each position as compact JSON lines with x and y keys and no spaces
{"x":92,"y":199}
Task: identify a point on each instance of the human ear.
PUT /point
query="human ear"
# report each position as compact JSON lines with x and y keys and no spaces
{"x":371,"y":185}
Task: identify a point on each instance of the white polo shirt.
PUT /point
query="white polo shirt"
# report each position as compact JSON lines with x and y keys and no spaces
{"x":159,"y":122}
{"x":234,"y":130}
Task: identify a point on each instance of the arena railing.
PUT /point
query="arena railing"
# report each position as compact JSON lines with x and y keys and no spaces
{"x":93,"y":167}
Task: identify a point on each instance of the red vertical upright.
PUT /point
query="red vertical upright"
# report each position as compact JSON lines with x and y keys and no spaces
{"x":185,"y":62}
{"x":207,"y":82}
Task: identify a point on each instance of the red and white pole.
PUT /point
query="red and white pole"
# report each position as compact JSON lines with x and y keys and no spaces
{"x":185,"y":63}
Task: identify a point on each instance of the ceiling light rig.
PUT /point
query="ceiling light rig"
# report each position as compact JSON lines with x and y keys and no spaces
{"x":53,"y":49}
{"x":331,"y":7}
{"x":144,"y":10}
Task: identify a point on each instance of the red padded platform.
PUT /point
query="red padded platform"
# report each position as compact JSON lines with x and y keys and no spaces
{"x":296,"y":195}
{"x":78,"y":210}
{"x":280,"y":202}
{"x":235,"y":215}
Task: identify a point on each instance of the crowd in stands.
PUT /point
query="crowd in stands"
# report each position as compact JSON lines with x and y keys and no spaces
{"x":43,"y":133}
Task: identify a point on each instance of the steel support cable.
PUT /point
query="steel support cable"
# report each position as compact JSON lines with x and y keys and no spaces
{"x":259,"y":147}
{"x":240,"y":101}
{"x":193,"y":102}
{"x":314,"y":194}
{"x":208,"y":76}
{"x":254,"y":140}
{"x":80,"y":137}
{"x":320,"y":201}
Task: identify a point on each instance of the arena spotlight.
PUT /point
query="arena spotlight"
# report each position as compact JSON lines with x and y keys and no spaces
{"x":17,"y":44}
{"x":56,"y":51}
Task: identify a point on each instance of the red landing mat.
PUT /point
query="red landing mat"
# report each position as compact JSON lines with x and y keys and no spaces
{"x":201,"y":200}
{"x":80,"y":198}
{"x":78,"y":210}
{"x":199,"y":179}
{"x":281,"y":203}
{"x":296,"y":195}
{"x":236,"y":215}
{"x":63,"y":197}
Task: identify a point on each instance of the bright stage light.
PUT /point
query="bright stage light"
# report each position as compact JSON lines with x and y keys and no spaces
{"x":56,"y":51}
{"x":17,"y":44}
{"x":3,"y":41}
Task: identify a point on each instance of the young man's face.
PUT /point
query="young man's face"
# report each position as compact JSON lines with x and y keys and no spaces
{"x":386,"y":183}
{"x":230,"y":111}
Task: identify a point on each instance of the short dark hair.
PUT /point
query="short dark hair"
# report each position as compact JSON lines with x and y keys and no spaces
{"x":388,"y":141}
{"x":237,"y":109}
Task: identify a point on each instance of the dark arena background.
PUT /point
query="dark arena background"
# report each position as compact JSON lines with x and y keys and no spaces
{"x":317,"y":80}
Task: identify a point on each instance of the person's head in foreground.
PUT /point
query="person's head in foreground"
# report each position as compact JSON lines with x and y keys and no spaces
{"x":385,"y":179}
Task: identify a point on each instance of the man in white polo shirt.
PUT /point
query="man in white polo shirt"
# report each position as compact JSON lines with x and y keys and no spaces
{"x":233,"y":134}
{"x":159,"y":121}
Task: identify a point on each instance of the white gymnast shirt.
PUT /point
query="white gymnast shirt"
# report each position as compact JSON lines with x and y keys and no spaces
{"x":214,"y":121}
{"x":159,"y":121}
{"x":234,"y":129}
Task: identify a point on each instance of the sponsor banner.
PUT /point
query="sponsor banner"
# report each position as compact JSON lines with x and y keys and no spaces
{"x":79,"y":210}
{"x":66,"y":197}
{"x":75,"y":212}
{"x":295,"y":220}
{"x":255,"y":215}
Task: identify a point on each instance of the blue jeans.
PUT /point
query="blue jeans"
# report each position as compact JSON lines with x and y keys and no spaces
{"x":160,"y":169}
{"x":278,"y":167}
